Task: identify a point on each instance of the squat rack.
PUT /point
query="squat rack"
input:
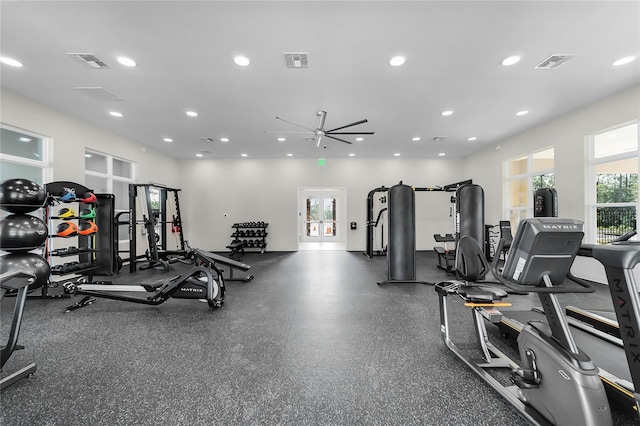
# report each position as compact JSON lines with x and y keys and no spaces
{"x":157,"y":253}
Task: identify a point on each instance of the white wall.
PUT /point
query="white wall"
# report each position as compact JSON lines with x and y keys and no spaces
{"x":71,"y":137}
{"x":267,"y":189}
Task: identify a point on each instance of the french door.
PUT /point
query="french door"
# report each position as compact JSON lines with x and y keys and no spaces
{"x":320,"y":213}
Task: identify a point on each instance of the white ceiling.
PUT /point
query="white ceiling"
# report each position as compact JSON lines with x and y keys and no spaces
{"x":453,"y":49}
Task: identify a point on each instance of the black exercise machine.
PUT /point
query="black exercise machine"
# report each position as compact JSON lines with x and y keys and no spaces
{"x":12,"y":282}
{"x":555,"y":382}
{"x":204,"y":281}
{"x":598,"y":332}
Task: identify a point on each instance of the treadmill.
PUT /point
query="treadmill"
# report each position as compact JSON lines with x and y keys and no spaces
{"x":616,"y":354}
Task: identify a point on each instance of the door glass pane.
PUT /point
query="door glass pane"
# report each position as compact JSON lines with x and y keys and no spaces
{"x":10,"y":170}
{"x":611,"y":222}
{"x":542,"y":160}
{"x":95,"y":162}
{"x":518,"y":166}
{"x":121,"y":194}
{"x":543,"y":181}
{"x":617,"y":141}
{"x":122,"y":168}
{"x":518,"y":194}
{"x":97,"y":184}
{"x":617,"y":181}
{"x":21,"y":145}
{"x":329,"y":208}
{"x":313,"y":209}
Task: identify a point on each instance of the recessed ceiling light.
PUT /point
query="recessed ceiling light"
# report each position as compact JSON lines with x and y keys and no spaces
{"x":359,"y":139}
{"x":396,"y":61}
{"x":472,"y":138}
{"x":416,"y":139}
{"x":397,"y":154}
{"x":243,"y":61}
{"x":442,"y":154}
{"x":88,"y":156}
{"x":510,"y":60}
{"x":289,"y":155}
{"x":243,"y":155}
{"x":192,"y":113}
{"x":352,"y":155}
{"x":522,"y":112}
{"x":10,"y":61}
{"x":281,"y":139}
{"x":224,"y":139}
{"x":127,"y":62}
{"x":167,"y":140}
{"x":447,"y":113}
{"x":115,"y":113}
{"x":623,"y":61}
{"x":24,"y":139}
{"x":199,"y":155}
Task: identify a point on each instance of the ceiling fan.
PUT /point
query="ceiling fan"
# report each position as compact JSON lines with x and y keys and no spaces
{"x":320,"y":131}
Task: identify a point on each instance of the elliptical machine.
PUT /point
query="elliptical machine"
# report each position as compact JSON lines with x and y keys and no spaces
{"x":556,"y":383}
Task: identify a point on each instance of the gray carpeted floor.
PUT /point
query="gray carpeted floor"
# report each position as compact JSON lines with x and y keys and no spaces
{"x":312,"y":340}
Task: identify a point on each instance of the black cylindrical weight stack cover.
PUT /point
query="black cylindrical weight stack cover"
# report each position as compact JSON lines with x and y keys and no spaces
{"x":470,"y":210}
{"x":401,"y":253}
{"x":29,"y":263}
{"x":21,"y":196}
{"x":22,"y":232}
{"x":545,"y":203}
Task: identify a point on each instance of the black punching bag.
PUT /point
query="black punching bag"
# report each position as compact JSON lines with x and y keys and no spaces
{"x":470,"y":211}
{"x":545,"y":203}
{"x":401,"y":253}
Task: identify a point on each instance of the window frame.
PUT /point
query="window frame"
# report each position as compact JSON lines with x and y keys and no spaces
{"x":591,"y":231}
{"x":529,"y":174}
{"x":44,"y":164}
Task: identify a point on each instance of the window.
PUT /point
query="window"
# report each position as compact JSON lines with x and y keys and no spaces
{"x":613,"y":183}
{"x":523,"y":175}
{"x":107,"y":174}
{"x":24,"y":155}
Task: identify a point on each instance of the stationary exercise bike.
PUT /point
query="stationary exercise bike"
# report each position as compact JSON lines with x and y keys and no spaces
{"x":556,"y":383}
{"x":204,"y":281}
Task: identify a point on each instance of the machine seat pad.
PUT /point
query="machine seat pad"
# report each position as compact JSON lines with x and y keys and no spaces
{"x":481,"y":293}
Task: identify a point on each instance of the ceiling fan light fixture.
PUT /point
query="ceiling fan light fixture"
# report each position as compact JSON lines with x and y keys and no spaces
{"x":396,"y":61}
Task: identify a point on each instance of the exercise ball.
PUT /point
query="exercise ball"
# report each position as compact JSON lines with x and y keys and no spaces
{"x":21,"y":196}
{"x":22,"y":232}
{"x":29,"y":263}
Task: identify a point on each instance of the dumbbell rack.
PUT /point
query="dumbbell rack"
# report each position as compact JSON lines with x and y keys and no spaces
{"x":251,"y":235}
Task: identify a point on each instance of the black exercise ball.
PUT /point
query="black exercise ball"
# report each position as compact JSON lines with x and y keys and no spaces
{"x":22,"y":232}
{"x":21,"y":196}
{"x":29,"y":263}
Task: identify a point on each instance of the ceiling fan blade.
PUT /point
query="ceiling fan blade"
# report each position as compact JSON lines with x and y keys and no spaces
{"x":297,"y":125}
{"x":323,"y":116}
{"x":348,"y":125}
{"x":348,"y":133}
{"x":288,"y":131}
{"x":338,"y":139}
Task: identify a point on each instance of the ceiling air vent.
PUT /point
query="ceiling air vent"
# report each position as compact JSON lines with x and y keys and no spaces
{"x":296,"y":59}
{"x":99,"y":93}
{"x":89,"y":60}
{"x":206,"y":139}
{"x":553,"y":62}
